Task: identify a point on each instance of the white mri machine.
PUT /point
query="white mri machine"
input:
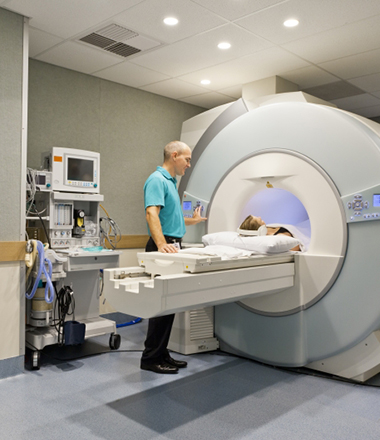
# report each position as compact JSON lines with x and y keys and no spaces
{"x":289,"y":161}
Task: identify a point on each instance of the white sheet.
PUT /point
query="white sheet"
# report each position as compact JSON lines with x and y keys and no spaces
{"x":267,"y":244}
{"x":225,"y":252}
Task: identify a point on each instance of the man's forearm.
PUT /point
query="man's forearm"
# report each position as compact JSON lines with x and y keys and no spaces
{"x":156,"y":230}
{"x":189,"y":221}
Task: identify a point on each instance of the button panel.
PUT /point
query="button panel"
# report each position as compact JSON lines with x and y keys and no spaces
{"x":363,"y":205}
{"x":197,"y":205}
{"x":189,"y":206}
{"x":359,"y":206}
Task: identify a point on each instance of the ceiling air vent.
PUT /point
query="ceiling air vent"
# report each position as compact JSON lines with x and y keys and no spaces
{"x":112,"y":39}
{"x":97,"y":40}
{"x":122,"y":49}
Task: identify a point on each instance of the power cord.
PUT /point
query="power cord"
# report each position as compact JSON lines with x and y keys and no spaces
{"x":64,"y":306}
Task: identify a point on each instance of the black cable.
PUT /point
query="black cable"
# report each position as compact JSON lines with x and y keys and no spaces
{"x":298,"y":370}
{"x":102,"y":282}
{"x":64,"y":306}
{"x":43,"y":225}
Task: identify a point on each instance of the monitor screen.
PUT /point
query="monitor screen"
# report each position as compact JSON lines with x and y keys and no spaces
{"x":81,"y":170}
{"x":187,"y":206}
{"x":41,"y":179}
{"x":376,"y":200}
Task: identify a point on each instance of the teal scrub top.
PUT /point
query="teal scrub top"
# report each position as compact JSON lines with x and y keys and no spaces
{"x":160,"y":189}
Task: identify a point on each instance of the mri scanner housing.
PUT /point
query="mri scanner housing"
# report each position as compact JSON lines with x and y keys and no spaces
{"x":295,"y":162}
{"x":329,"y":160}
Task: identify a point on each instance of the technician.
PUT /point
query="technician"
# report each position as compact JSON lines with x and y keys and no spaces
{"x":166,"y":227}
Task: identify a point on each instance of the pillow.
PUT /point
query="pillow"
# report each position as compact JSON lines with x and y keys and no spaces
{"x":267,"y":244}
{"x":225,"y":252}
{"x":300,"y":232}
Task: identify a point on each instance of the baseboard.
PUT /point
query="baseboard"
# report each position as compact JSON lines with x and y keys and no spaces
{"x":11,"y":367}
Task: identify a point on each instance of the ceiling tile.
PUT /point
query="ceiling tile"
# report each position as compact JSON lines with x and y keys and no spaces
{"x":314,"y":17}
{"x":368,"y":83}
{"x":208,"y":100}
{"x":234,"y":92}
{"x":337,"y":43}
{"x":201,"y":51}
{"x":336,"y":90}
{"x":76,"y":56}
{"x":263,"y":64}
{"x":67,"y":18}
{"x":369,"y":112}
{"x":354,"y":66}
{"x":310,"y":76}
{"x":356,"y":102}
{"x":174,"y":88}
{"x":130,"y":75}
{"x":142,"y":43}
{"x":149,"y":16}
{"x":40,"y":41}
{"x":236,"y":9}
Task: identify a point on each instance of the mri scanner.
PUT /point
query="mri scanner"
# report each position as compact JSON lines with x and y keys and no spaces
{"x":291,"y":160}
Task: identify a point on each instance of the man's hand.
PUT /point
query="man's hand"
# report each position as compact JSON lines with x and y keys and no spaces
{"x":197,"y":215}
{"x":152,"y":217}
{"x":168,"y":248}
{"x":196,"y":218}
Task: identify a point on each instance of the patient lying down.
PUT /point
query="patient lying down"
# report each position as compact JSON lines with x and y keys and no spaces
{"x":252,"y":223}
{"x":233,"y":244}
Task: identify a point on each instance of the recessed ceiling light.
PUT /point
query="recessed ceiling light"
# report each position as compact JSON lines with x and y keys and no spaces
{"x":224,"y":45}
{"x":292,"y":22}
{"x":205,"y":81}
{"x":170,"y":21}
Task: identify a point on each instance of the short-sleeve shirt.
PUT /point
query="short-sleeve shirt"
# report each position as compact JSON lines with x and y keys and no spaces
{"x":160,"y":189}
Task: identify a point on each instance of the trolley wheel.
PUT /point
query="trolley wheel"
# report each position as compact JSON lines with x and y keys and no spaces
{"x":32,"y":359}
{"x":115,"y":341}
{"x":36,"y":360}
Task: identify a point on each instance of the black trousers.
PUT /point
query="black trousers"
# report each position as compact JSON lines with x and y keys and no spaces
{"x":159,"y":329}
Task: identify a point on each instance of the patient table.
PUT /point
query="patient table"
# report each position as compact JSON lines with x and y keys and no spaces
{"x":168,"y":283}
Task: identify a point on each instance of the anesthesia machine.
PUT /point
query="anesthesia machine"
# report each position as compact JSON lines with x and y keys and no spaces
{"x":63,"y":211}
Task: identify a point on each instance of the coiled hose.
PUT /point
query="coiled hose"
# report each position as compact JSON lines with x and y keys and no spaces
{"x":42,"y":268}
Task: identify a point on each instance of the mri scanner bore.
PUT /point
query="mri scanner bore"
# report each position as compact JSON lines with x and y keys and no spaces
{"x":319,"y":308}
{"x":289,"y":216}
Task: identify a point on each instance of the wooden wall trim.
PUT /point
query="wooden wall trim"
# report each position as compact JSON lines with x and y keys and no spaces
{"x":132,"y":242}
{"x":15,"y":250}
{"x":12,"y":250}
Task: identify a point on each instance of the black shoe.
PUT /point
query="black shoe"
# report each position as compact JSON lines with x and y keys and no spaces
{"x":179,"y":364}
{"x":162,"y":368}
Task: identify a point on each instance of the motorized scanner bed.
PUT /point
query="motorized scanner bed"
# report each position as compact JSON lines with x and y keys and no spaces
{"x":168,"y":283}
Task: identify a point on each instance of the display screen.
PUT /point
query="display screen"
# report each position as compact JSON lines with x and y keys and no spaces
{"x":41,"y":179}
{"x":81,"y":170}
{"x":187,"y":206}
{"x":376,"y":200}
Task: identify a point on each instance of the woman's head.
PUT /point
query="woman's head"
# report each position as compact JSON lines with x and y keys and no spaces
{"x":252,"y":223}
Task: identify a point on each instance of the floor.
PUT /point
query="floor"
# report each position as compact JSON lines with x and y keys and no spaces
{"x":106,"y":396}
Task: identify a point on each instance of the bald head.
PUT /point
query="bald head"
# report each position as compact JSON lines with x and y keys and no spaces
{"x":171,"y":147}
